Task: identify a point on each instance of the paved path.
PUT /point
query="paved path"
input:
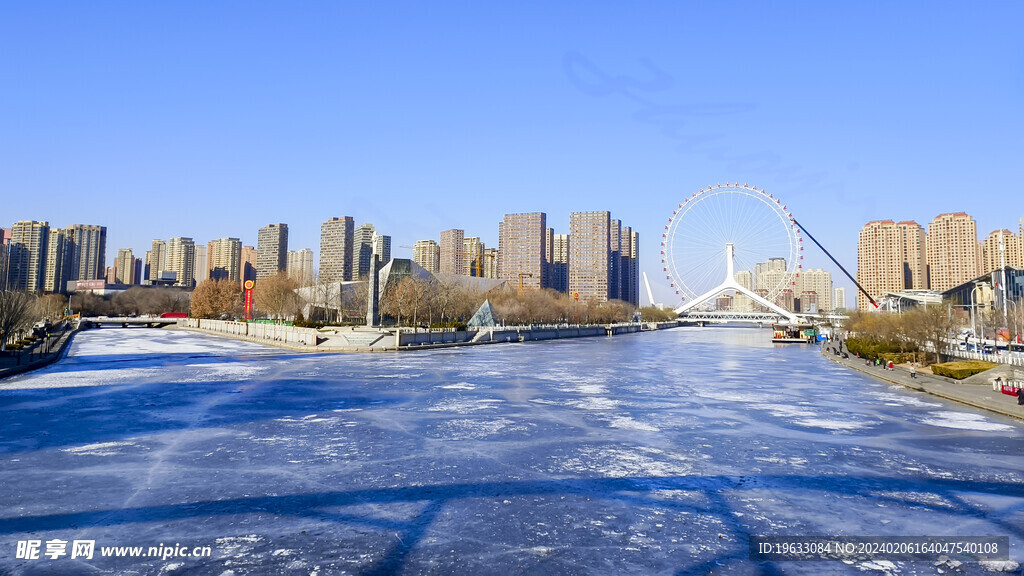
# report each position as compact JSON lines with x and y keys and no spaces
{"x":977,"y":395}
{"x":24,"y":362}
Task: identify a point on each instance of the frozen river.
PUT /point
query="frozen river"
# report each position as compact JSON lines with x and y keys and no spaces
{"x":654,"y":453}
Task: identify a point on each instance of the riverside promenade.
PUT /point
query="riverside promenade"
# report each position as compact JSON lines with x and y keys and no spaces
{"x":975,"y":391}
{"x":42,"y":353}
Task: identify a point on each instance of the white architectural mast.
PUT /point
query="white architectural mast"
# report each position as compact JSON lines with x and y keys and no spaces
{"x":730,"y":283}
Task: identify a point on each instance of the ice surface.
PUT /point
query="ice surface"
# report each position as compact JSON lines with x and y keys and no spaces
{"x":657,"y":453}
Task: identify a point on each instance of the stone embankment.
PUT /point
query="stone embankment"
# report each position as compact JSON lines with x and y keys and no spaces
{"x":362,"y":339}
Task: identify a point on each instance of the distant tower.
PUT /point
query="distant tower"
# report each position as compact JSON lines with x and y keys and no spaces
{"x":125,"y":266}
{"x":427,"y":254}
{"x":58,"y":261}
{"x":336,"y":246}
{"x":88,"y":251}
{"x":181,"y":258}
{"x":362,"y":246}
{"x":590,"y":255}
{"x":29,"y":244}
{"x":521,"y":250}
{"x":272,"y":250}
{"x":953,"y":251}
{"x":224,"y":259}
{"x":451,"y":256}
{"x":382,"y":247}
{"x":300,"y":266}
{"x":157,"y":259}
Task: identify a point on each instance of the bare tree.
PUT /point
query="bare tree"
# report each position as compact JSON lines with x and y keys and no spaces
{"x":17,"y":314}
{"x":275,"y":296}
{"x":52,"y":306}
{"x":213,"y":298}
{"x":930,"y":325}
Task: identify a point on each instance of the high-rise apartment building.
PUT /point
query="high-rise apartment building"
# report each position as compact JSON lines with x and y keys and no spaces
{"x":58,"y":261}
{"x":839,"y":299}
{"x":300,"y":266}
{"x":590,"y":255}
{"x":427,"y":254}
{"x":181,"y":258}
{"x":451,"y":257}
{"x":88,"y":251}
{"x":382,"y":247}
{"x":272,"y":251}
{"x":5,"y":248}
{"x":522,"y":260}
{"x":28,"y":247}
{"x":473,"y":257}
{"x":880,"y":264}
{"x":1002,"y":247}
{"x":224,"y":259}
{"x":630,"y":275}
{"x":814,"y":288}
{"x":742,"y":302}
{"x":558,"y":262}
{"x":201,"y":264}
{"x":490,"y":262}
{"x":953,"y":253}
{"x":336,"y":249}
{"x":615,"y":259}
{"x":362,"y":242}
{"x":772,"y":276}
{"x":913,"y":253}
{"x":248,"y":261}
{"x":124,"y":267}
{"x":157,"y":259}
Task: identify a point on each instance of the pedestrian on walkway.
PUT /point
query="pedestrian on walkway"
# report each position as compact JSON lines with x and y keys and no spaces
{"x":913,"y":370}
{"x":890,"y":365}
{"x":1020,"y":396}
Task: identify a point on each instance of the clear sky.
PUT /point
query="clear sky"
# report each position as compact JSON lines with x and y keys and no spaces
{"x":212,"y":119}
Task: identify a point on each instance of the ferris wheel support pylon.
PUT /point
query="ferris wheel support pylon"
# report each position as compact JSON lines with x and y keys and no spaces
{"x":730,"y":283}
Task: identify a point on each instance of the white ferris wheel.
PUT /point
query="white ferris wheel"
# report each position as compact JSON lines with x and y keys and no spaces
{"x":719,"y":232}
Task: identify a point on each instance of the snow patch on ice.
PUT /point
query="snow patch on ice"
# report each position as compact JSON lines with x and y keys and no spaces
{"x":237,"y":545}
{"x":99,"y":449}
{"x":627,"y":423}
{"x":964,"y":421}
{"x":612,"y":462}
{"x":902,"y":399}
{"x":461,"y":406}
{"x":82,"y":378}
{"x":830,"y":424}
{"x":459,"y":386}
{"x":223,"y":371}
{"x":999,"y":565}
{"x":466,"y":429}
{"x":595,"y":404}
{"x":878,"y":566}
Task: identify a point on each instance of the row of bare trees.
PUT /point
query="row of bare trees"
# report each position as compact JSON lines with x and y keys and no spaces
{"x":415,"y":302}
{"x":409,"y":302}
{"x":134,"y":301}
{"x":919,"y":330}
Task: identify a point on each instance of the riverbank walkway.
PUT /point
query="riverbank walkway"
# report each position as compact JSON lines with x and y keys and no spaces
{"x":42,"y":353}
{"x":976,"y":394}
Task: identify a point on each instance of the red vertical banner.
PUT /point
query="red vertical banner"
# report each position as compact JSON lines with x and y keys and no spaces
{"x":249,"y":284}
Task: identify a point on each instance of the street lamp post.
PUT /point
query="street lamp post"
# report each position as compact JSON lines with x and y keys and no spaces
{"x":1016,"y":328}
{"x":974,"y":325}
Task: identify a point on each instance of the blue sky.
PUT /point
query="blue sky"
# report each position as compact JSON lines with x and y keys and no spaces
{"x":214,"y":119}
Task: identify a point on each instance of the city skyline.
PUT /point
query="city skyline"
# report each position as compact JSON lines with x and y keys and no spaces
{"x":293,"y":115}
